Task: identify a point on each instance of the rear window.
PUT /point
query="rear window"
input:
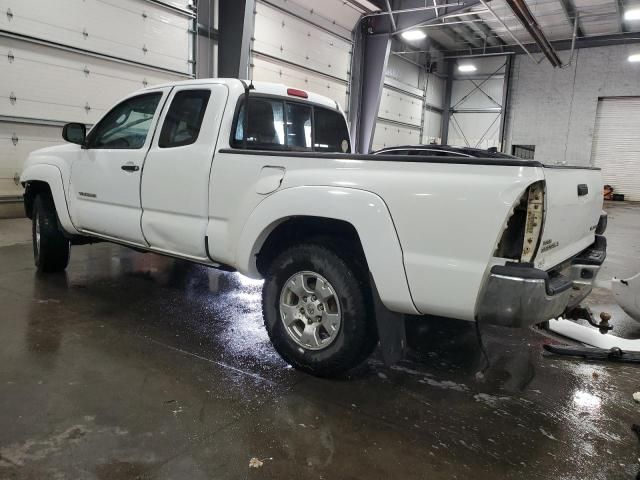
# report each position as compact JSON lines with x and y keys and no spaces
{"x":274,"y":124}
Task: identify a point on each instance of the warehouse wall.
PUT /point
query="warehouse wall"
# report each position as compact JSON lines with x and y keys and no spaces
{"x":555,"y":109}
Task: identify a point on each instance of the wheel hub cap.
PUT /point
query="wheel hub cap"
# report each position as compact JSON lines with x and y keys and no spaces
{"x":310,"y":310}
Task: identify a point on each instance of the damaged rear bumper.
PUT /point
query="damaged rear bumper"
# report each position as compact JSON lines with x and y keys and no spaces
{"x":519,"y":295}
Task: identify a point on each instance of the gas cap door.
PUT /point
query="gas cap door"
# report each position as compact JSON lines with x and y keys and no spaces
{"x":269,"y":180}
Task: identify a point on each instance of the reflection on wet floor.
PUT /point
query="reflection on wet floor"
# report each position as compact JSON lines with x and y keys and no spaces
{"x":138,"y":366}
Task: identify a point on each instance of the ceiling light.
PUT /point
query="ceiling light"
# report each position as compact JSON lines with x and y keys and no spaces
{"x":634,"y":58}
{"x":633,"y":14}
{"x":414,"y":35}
{"x":467,"y":68}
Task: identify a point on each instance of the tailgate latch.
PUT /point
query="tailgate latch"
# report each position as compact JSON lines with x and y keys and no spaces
{"x":583,"y":189}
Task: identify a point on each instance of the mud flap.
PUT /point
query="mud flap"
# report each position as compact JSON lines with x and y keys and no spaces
{"x":391,"y":329}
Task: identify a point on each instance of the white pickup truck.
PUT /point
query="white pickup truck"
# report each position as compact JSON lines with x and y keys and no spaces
{"x":273,"y":191}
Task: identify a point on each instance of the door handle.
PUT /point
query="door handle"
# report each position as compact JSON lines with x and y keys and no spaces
{"x":129,"y":167}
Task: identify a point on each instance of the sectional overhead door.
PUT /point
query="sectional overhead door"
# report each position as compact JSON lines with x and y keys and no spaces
{"x":71,"y":62}
{"x":616,"y":144}
{"x":401,"y":105}
{"x":305,"y":44}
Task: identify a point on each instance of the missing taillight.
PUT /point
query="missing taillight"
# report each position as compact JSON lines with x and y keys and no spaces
{"x":533,"y":225}
{"x":521,"y":237}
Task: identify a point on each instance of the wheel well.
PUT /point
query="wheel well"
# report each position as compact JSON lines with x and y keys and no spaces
{"x":32,"y":189}
{"x":338,"y":234}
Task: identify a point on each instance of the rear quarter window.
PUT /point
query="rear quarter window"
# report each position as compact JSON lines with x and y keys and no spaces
{"x":331,"y":133}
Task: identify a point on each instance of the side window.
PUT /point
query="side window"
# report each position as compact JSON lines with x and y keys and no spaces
{"x":331,"y":133}
{"x":126,"y":126}
{"x":184,"y":118}
{"x":298,"y":127}
{"x":266,"y":124}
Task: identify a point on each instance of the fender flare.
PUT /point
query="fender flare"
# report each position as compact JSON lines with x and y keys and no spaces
{"x":52,"y":176}
{"x":365,"y":211}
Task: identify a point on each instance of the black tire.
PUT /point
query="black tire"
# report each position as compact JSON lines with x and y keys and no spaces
{"x":357,"y":335}
{"x":52,"y":252}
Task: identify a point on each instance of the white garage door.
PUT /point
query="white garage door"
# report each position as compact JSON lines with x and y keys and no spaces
{"x":305,"y":44}
{"x":401,"y":105}
{"x":616,"y":144}
{"x":61,"y":65}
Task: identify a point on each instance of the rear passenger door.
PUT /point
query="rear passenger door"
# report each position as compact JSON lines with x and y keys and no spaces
{"x":175,"y":180}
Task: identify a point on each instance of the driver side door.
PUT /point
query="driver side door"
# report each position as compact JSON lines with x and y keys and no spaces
{"x":105,"y":176}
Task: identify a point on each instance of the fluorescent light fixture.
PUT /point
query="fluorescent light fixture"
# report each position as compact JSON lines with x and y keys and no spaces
{"x":467,"y":67}
{"x":634,"y":58}
{"x":632,"y":14}
{"x":414,"y":35}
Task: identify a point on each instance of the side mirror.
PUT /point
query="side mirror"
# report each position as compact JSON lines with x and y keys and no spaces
{"x":74,"y":133}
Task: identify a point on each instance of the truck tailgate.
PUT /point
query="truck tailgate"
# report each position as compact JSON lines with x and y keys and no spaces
{"x":573,"y":199}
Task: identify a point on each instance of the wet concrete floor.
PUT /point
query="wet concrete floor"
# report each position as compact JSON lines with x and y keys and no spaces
{"x":137,"y":366}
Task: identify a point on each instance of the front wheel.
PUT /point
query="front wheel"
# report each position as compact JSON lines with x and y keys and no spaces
{"x":50,"y":247}
{"x":317,"y":310}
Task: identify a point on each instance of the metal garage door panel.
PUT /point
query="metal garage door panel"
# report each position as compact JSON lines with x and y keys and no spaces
{"x":399,"y":107}
{"x":435,"y":90}
{"x":269,"y":71}
{"x":285,"y":37}
{"x":337,"y":11}
{"x":17,"y":140}
{"x":403,"y":71}
{"x":616,"y":144}
{"x":389,"y":135}
{"x":432,"y":130}
{"x":48,"y":83}
{"x":145,"y":32}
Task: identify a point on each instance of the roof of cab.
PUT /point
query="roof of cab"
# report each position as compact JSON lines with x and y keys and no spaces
{"x":267,"y":88}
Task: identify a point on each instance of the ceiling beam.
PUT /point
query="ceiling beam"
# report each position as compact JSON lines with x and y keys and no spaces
{"x":413,"y":13}
{"x":490,"y":37}
{"x":572,"y":16}
{"x":529,"y":22}
{"x":468,"y":35}
{"x":585,"y":42}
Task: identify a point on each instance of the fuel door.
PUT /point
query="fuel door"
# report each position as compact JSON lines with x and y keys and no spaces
{"x":269,"y":180}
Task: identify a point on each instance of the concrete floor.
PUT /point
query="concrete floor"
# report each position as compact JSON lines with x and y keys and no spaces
{"x":136,"y":366}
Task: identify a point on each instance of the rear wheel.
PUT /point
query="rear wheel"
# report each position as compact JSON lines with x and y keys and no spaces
{"x":317,"y":310}
{"x":50,"y":247}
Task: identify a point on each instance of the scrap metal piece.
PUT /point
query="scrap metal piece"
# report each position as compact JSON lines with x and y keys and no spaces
{"x":613,"y":354}
{"x":592,"y":336}
{"x":627,"y":295}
